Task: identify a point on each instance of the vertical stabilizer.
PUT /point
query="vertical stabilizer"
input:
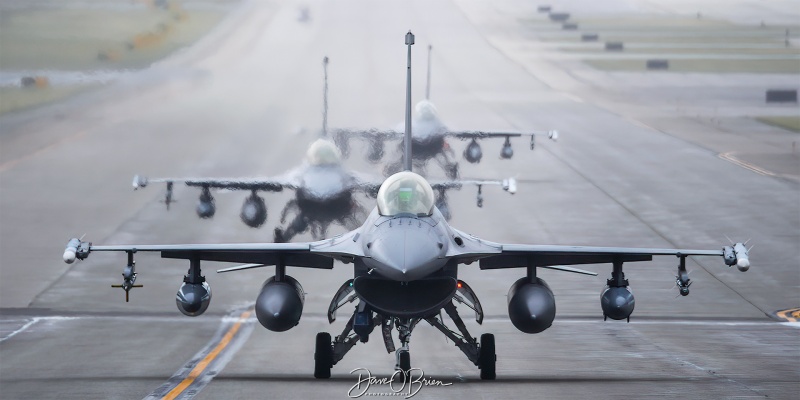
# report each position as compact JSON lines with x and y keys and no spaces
{"x":407,"y":139}
{"x":428,"y":81}
{"x":325,"y":98}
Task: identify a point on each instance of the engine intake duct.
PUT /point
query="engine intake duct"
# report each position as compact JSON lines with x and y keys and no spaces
{"x":414,"y":299}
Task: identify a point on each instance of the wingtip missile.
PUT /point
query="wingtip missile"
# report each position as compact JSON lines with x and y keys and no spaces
{"x":139,"y":182}
{"x":70,"y":253}
{"x":510,"y":185}
{"x":742,"y":257}
{"x":737,"y":255}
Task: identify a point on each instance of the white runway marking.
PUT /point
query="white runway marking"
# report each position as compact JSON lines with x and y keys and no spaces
{"x":22,"y":329}
{"x":30,"y":323}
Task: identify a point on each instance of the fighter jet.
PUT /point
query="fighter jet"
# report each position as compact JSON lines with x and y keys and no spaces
{"x":324,"y":193}
{"x":324,"y":190}
{"x":429,"y":139}
{"x":405,"y":260}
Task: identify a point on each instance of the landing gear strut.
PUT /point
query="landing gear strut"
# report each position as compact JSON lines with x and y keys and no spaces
{"x":404,"y":327}
{"x":483,"y":355}
{"x":358,"y":328}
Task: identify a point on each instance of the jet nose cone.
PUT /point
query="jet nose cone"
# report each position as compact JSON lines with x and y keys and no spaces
{"x":406,"y":252}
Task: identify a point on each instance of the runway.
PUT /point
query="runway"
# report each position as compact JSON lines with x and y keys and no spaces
{"x":638,"y":164}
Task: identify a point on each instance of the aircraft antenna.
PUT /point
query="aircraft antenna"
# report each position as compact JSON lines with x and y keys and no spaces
{"x":428,"y":82}
{"x":407,"y":153}
{"x":325,"y":98}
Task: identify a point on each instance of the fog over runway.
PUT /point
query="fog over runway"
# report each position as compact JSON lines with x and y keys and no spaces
{"x":639,"y":163}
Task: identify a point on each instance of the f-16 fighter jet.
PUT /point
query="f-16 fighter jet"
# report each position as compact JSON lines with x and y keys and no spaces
{"x":429,"y":139}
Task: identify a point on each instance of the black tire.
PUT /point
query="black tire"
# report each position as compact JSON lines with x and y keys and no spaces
{"x":405,"y":361}
{"x":405,"y":365}
{"x":323,"y":356}
{"x":487,"y":359}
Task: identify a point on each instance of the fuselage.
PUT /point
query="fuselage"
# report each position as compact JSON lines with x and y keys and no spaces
{"x":427,"y":132}
{"x":325,"y":192}
{"x":427,"y":147}
{"x":405,"y":271}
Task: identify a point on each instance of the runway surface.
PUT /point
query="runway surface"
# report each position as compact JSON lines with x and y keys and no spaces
{"x":638,"y":164}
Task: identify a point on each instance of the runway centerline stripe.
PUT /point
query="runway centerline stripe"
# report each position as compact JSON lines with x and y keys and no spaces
{"x":196,"y":375}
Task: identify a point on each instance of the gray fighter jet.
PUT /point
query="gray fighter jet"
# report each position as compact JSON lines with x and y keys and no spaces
{"x":405,"y":260}
{"x":324,"y":190}
{"x":429,"y":139}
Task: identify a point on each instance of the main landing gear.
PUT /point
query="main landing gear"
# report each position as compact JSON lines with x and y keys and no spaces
{"x":363,"y":321}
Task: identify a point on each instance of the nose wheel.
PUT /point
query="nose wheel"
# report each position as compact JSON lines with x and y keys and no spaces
{"x":403,"y":361}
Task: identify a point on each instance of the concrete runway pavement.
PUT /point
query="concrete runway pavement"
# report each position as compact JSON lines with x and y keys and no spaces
{"x":250,"y":106}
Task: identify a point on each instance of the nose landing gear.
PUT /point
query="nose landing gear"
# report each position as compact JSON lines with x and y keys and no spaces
{"x":329,"y":352}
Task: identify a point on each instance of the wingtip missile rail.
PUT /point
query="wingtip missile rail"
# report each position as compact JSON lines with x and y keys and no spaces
{"x":737,"y":255}
{"x":76,"y":249}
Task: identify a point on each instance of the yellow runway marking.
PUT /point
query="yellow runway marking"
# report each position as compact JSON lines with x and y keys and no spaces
{"x":203,"y":364}
{"x":730,"y":158}
{"x":790,"y":315}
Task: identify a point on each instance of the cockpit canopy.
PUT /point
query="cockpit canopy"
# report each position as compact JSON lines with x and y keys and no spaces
{"x":323,"y":152}
{"x":405,"y":193}
{"x":426,"y":110}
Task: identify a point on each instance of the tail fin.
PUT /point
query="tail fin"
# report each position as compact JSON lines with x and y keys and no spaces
{"x":325,"y":98}
{"x":407,"y":139}
{"x":428,"y":82}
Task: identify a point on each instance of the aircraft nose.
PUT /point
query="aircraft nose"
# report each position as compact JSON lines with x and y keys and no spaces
{"x":407,"y":252}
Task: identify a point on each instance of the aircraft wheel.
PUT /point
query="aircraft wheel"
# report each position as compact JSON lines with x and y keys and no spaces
{"x":487,"y":357}
{"x":323,"y":356}
{"x":404,"y":359}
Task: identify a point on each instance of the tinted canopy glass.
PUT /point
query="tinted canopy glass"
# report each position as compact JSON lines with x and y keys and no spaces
{"x":405,"y":193}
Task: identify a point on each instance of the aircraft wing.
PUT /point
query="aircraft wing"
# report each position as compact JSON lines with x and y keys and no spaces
{"x":370,"y":185}
{"x":547,"y":255}
{"x":259,"y":184}
{"x":551,"y":134}
{"x":383,"y":134}
{"x":508,"y":184}
{"x":320,"y":254}
{"x":495,"y":255}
